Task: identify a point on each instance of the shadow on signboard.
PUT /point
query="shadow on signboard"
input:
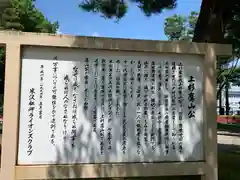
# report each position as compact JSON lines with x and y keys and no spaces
{"x":86,"y":147}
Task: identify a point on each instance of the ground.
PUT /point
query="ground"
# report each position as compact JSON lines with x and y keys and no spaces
{"x":229,"y":166}
{"x":229,"y":152}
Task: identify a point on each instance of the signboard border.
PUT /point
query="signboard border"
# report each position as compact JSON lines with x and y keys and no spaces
{"x":13,"y":41}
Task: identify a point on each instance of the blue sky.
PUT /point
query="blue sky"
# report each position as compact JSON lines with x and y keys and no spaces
{"x":134,"y":25}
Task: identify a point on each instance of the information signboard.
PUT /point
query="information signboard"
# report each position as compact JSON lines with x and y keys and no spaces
{"x":97,"y":107}
{"x":91,"y":107}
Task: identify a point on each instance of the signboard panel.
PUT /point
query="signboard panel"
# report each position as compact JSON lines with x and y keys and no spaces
{"x":86,"y":106}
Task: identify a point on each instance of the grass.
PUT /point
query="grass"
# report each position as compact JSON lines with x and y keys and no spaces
{"x":228,"y":126}
{"x":229,"y":166}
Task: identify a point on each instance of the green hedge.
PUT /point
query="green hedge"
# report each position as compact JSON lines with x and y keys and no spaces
{"x":228,"y":126}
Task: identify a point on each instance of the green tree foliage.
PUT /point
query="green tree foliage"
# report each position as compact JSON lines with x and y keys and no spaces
{"x":118,"y":8}
{"x":22,"y":15}
{"x":175,"y":27}
{"x":178,"y":27}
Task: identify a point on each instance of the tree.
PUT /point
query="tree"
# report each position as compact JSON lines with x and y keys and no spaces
{"x":118,"y":8}
{"x":234,"y":79}
{"x":22,"y":15}
{"x":178,"y":27}
{"x":214,"y":19}
{"x":175,"y":27}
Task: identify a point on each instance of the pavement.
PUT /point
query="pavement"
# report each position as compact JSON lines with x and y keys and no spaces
{"x":229,"y":141}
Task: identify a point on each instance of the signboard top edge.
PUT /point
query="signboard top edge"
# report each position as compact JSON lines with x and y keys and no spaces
{"x":107,"y":43}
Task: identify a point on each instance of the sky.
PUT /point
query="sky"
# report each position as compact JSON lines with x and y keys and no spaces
{"x":135,"y":25}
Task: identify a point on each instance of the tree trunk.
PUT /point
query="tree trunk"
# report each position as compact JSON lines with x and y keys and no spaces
{"x":213,"y":19}
{"x":227,"y":98}
{"x":221,"y":109}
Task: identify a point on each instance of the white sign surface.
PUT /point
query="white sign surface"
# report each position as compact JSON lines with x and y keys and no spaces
{"x":81,"y":106}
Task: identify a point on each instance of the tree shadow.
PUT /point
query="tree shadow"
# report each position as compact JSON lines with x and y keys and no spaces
{"x":231,"y":148}
{"x":229,"y":130}
{"x":87,"y":149}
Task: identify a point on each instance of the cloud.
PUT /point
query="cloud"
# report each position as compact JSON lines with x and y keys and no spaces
{"x":95,"y":34}
{"x":59,"y":32}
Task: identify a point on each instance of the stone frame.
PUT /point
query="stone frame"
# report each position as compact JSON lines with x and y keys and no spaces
{"x":14,"y":41}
